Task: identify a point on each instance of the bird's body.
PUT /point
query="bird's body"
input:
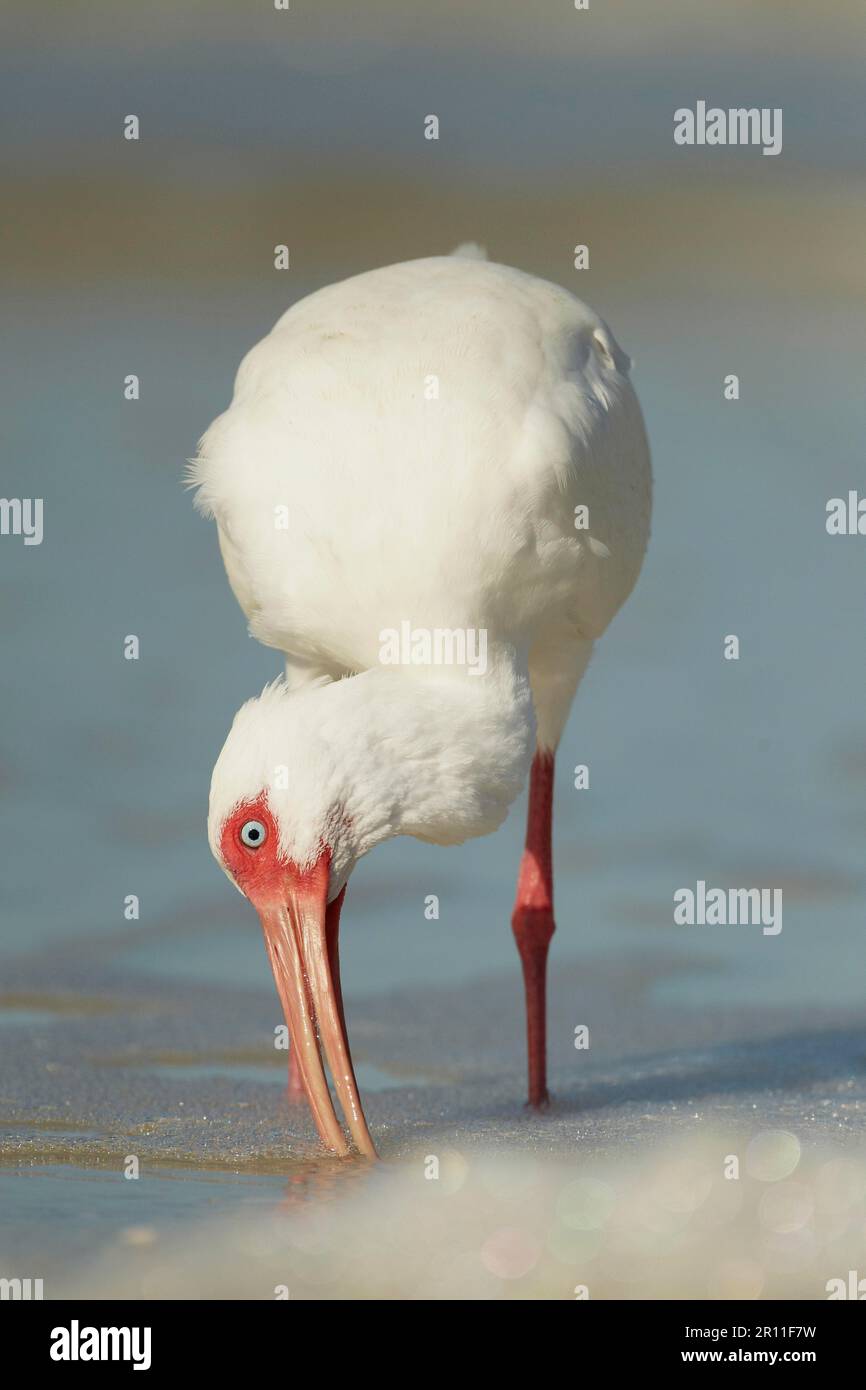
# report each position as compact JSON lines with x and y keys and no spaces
{"x":444,"y":446}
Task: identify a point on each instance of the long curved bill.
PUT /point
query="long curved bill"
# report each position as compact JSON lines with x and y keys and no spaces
{"x":306,"y":971}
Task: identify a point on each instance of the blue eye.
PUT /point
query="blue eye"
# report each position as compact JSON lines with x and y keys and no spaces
{"x":253,"y":834}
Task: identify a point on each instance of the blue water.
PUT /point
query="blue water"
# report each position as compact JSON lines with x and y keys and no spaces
{"x":56,"y":1215}
{"x":739,"y":773}
{"x":580,"y":101}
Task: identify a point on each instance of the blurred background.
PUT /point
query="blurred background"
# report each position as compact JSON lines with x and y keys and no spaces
{"x":155,"y":257}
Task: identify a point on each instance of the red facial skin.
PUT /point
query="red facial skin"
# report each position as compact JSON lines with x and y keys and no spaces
{"x":259,"y":872}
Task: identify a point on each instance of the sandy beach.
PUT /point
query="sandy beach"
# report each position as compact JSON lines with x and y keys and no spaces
{"x":234,"y":1196}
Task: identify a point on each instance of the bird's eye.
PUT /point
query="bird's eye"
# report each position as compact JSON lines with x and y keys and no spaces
{"x":253,"y":834}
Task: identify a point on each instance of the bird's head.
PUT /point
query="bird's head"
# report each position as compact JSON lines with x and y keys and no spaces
{"x":311,"y":779}
{"x":278,"y":796}
{"x":278,"y":828}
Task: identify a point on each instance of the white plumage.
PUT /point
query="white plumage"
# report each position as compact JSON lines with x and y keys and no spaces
{"x":429,"y":429}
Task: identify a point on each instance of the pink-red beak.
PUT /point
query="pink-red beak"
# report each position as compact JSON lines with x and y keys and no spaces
{"x":300,"y":929}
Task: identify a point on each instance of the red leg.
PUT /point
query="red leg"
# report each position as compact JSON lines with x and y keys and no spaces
{"x":532,"y":919}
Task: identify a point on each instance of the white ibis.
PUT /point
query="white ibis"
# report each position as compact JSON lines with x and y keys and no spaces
{"x":450,"y":451}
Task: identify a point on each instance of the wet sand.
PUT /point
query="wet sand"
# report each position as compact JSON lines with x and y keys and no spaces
{"x":233,"y":1189}
{"x":654,"y":1224}
{"x":186,"y":1073}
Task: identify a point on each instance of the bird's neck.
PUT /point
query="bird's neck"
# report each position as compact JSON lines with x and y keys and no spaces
{"x":427,"y":752}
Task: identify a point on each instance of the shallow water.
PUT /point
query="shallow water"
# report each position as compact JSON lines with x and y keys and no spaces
{"x":61,"y":1215}
{"x":676,"y":1222}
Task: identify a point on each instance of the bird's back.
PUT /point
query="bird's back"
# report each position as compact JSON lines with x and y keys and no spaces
{"x":411,"y":444}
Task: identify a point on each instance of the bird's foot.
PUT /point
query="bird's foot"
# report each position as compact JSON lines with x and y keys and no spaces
{"x":540,"y":1104}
